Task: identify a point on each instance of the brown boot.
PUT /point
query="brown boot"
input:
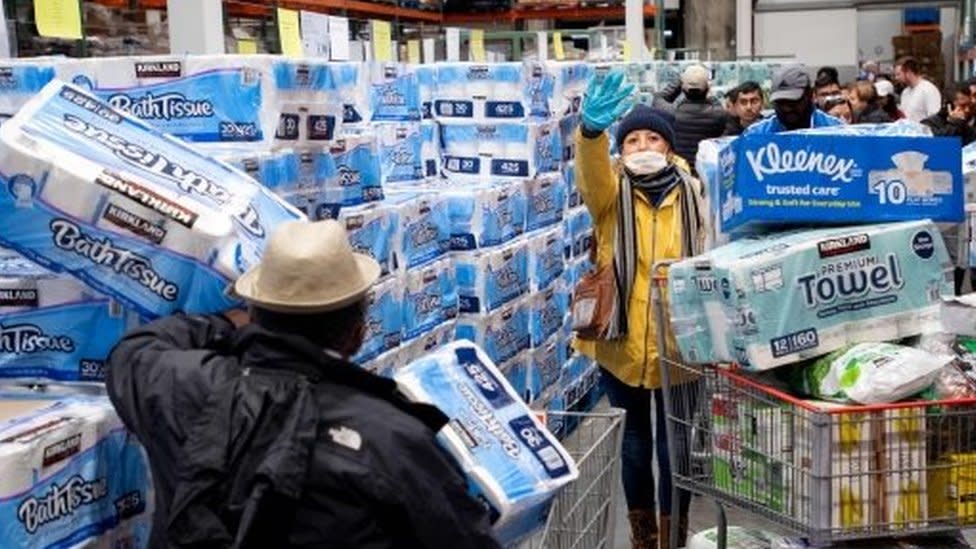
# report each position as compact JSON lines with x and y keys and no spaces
{"x":643,"y":529}
{"x":664,"y":539}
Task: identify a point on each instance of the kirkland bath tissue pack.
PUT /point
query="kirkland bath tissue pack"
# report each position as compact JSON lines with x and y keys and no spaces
{"x":488,"y":92}
{"x":503,"y":333}
{"x":819,"y":178}
{"x":135,"y":214}
{"x":486,"y":214}
{"x":512,"y":462}
{"x":71,"y":475}
{"x":489,"y":278}
{"x":780,"y":299}
{"x":210,"y":99}
{"x":486,"y":151}
{"x":52,"y":327}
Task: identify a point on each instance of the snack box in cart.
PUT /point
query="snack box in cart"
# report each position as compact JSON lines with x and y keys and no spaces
{"x":804,"y":179}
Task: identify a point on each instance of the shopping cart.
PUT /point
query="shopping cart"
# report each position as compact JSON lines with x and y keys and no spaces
{"x":584,"y":513}
{"x":826,"y":473}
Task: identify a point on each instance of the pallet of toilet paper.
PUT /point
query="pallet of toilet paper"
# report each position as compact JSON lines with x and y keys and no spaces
{"x":833,"y":178}
{"x":514,"y":464}
{"x":71,"y":476}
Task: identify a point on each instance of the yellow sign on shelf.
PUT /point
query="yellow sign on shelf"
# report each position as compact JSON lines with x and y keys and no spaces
{"x":58,"y":18}
{"x":413,"y":52}
{"x":557,"y":45}
{"x":626,"y":51}
{"x":247,"y":47}
{"x":289,"y":32}
{"x":382,"y":40}
{"x":476,"y":43}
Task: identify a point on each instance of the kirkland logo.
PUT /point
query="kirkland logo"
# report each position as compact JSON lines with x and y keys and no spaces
{"x":18,"y":297}
{"x":170,"y":69}
{"x":62,"y":450}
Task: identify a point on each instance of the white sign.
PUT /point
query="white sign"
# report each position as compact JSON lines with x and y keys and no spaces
{"x":338,"y":38}
{"x":453,"y":44}
{"x":315,"y":34}
{"x":429,"y":50}
{"x":542,"y":39}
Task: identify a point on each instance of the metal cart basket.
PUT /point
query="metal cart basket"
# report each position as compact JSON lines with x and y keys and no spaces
{"x":824,"y":472}
{"x":584,"y":513}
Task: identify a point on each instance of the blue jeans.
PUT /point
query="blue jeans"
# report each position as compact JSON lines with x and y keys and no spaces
{"x":641,"y":442}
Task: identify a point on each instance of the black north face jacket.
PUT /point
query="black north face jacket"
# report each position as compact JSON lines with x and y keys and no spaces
{"x":261,"y":440}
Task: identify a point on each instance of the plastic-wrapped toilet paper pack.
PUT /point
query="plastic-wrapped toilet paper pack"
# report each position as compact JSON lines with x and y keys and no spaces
{"x":371,"y":228}
{"x":573,"y":197}
{"x":53,"y":327}
{"x":485,"y":215}
{"x":546,"y":200}
{"x":358,"y":179}
{"x":428,"y":342}
{"x":725,"y":75}
{"x":479,"y":92}
{"x":487,"y":151}
{"x":401,"y":145}
{"x":423,"y":230}
{"x":394,"y":92}
{"x":387,"y":363}
{"x":20,"y":80}
{"x":301,"y":178}
{"x":546,"y":261}
{"x":213,"y":99}
{"x":516,"y":372}
{"x":579,"y":230}
{"x":804,"y":294}
{"x":546,"y":365}
{"x":426,"y":83}
{"x":898,"y":128}
{"x":72,"y":476}
{"x":575,"y":269}
{"x":757,"y":71}
{"x":384,"y":319}
{"x":571,"y":79}
{"x":430,"y":297}
{"x":430,"y":148}
{"x":137,"y":215}
{"x":489,"y":278}
{"x":307,"y":114}
{"x":567,"y":135}
{"x":502,"y":333}
{"x":547,"y":313}
{"x":512,"y":462}
{"x":350,"y":82}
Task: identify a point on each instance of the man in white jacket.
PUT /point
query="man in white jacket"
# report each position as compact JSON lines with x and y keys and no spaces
{"x":921,"y":99}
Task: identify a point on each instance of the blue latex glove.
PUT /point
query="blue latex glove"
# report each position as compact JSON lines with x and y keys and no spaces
{"x":605,"y":102}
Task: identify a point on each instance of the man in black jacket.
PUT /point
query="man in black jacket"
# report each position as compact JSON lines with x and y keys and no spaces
{"x":956,"y":119}
{"x":745,"y":102}
{"x":696,"y":117}
{"x":265,"y":435}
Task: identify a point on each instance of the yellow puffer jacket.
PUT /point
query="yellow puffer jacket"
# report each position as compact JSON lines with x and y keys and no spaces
{"x":634,"y":358}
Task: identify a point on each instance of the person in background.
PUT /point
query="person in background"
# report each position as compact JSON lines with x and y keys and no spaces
{"x":838,"y":107}
{"x":887,"y":99}
{"x":955,"y":119}
{"x":971,"y":84}
{"x":745,"y":104}
{"x":264,"y":434}
{"x":827,"y":84}
{"x":645,"y":209}
{"x":869,"y":71}
{"x":864,"y":103}
{"x":920,"y":99}
{"x":696,"y":116}
{"x":792,"y":98}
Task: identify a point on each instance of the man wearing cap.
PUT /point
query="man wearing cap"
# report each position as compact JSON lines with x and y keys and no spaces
{"x":792,"y":98}
{"x":696,"y":118}
{"x":645,"y":209}
{"x":887,"y":98}
{"x":263,"y":434}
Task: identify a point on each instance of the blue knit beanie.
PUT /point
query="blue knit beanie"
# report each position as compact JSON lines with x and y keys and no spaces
{"x":642,"y":117}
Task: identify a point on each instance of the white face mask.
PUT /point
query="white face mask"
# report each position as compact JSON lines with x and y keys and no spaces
{"x":645,"y":162}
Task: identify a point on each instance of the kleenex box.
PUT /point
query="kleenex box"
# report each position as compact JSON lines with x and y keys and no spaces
{"x":834,"y":179}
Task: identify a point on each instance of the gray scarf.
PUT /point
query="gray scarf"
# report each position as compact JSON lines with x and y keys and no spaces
{"x":693,"y":220}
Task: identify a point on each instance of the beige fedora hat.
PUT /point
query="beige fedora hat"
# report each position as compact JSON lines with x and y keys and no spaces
{"x":308,"y":268}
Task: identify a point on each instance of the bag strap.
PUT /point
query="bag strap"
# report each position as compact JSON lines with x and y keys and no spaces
{"x":594,"y":247}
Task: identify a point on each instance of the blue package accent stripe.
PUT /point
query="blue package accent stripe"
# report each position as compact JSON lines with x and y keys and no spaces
{"x":834,"y":179}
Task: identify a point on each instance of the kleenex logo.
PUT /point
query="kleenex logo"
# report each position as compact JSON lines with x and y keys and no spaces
{"x":165,"y":106}
{"x":21,"y":339}
{"x":60,"y":501}
{"x":769,"y":160}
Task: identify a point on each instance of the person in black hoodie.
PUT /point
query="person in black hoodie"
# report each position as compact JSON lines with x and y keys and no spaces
{"x":866,"y":104}
{"x":746,"y":102}
{"x":955,"y":119}
{"x":696,"y":116}
{"x":264,"y":434}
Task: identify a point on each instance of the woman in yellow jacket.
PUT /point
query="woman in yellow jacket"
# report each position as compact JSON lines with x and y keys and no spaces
{"x":646,"y":208}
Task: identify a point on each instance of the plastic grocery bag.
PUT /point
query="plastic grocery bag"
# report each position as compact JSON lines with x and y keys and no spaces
{"x":872,"y":373}
{"x":736,"y":538}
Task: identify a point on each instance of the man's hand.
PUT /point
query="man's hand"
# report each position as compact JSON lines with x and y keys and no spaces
{"x":605,"y":102}
{"x":957,"y":113}
{"x":238,"y":317}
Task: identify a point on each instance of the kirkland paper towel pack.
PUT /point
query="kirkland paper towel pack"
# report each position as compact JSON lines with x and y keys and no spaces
{"x":394,"y":92}
{"x":488,"y":151}
{"x":137,"y":215}
{"x":430,"y":297}
{"x":800,"y":295}
{"x":72,"y":475}
{"x":486,"y":214}
{"x":52,"y":327}
{"x":546,"y":200}
{"x":489,"y":278}
{"x":503,"y":333}
{"x":816,"y":178}
{"x":423,"y":230}
{"x":212,"y":99}
{"x":384,"y":319}
{"x":512,"y":462}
